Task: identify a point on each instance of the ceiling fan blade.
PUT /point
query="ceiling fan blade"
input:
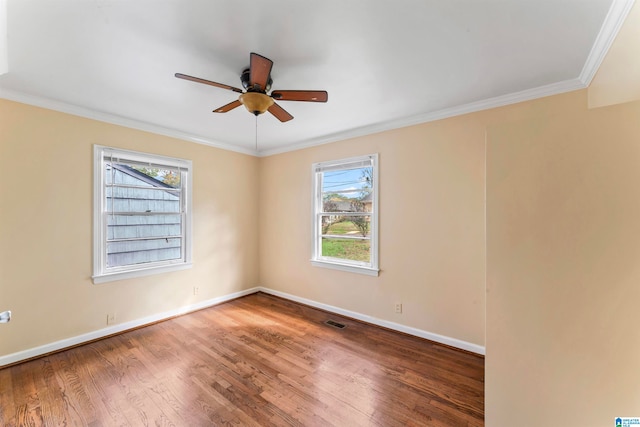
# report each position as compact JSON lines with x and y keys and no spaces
{"x":259,"y":71}
{"x":207,"y":82}
{"x":280,"y":113}
{"x":230,"y":106}
{"x":300,"y":95}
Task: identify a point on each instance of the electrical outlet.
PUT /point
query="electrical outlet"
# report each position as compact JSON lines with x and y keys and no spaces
{"x":111,"y":318}
{"x":399,"y":307}
{"x":196,"y":290}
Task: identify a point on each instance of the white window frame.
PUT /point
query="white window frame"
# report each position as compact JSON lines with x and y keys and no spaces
{"x":370,"y":268}
{"x":102,"y":273}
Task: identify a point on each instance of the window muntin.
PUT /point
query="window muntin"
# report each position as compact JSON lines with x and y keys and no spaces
{"x":142,"y":214}
{"x":345,"y":214}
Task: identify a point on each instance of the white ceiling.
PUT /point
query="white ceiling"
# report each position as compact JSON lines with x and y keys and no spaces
{"x":384,"y":63}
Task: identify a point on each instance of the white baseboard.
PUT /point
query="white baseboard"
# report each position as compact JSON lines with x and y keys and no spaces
{"x":101,"y":333}
{"x":442,"y":339}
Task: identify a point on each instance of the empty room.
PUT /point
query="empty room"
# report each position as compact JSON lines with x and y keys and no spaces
{"x":293,"y":213}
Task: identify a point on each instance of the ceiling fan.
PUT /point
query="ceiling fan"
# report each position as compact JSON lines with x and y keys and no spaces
{"x":256,"y":81}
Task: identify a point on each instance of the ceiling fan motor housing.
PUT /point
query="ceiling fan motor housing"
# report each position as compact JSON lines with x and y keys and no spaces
{"x":245,"y":79}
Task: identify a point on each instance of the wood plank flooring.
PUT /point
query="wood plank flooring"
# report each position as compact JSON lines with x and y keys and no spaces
{"x":255,"y":361}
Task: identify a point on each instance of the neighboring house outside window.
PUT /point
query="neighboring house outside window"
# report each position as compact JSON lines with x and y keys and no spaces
{"x":345,"y":214}
{"x":142,"y":214}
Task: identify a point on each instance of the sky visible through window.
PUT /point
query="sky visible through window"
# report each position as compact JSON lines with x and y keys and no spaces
{"x":350,"y":182}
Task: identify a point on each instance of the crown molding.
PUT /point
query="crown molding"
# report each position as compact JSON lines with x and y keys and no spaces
{"x":614,"y":20}
{"x":485,"y":104}
{"x":610,"y":27}
{"x":114,"y":119}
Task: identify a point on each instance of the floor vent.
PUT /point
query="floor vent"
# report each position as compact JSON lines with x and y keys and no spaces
{"x":335,"y":324}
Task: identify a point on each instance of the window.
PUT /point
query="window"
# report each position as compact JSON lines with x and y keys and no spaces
{"x":345,"y":214}
{"x":142,"y":214}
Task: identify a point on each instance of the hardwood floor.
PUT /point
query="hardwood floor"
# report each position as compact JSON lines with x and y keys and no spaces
{"x":255,"y":361}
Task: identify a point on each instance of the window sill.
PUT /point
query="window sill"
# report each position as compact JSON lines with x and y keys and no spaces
{"x":121,"y":275}
{"x":346,"y":267}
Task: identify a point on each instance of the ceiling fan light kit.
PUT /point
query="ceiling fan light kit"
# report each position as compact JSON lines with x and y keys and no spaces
{"x":257,"y":81}
{"x":256,"y":102}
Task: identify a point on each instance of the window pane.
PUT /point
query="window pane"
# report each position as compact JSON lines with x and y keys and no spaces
{"x":141,"y":200}
{"x":344,"y":225}
{"x":143,"y":251}
{"x":348,"y":249}
{"x":142,"y":226}
{"x":354,"y":183}
{"x":129,"y":190}
{"x":130,"y":174}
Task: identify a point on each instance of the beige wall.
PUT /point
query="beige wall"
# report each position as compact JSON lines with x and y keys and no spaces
{"x":563,"y":238}
{"x":432,"y":252}
{"x":46,"y":228}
